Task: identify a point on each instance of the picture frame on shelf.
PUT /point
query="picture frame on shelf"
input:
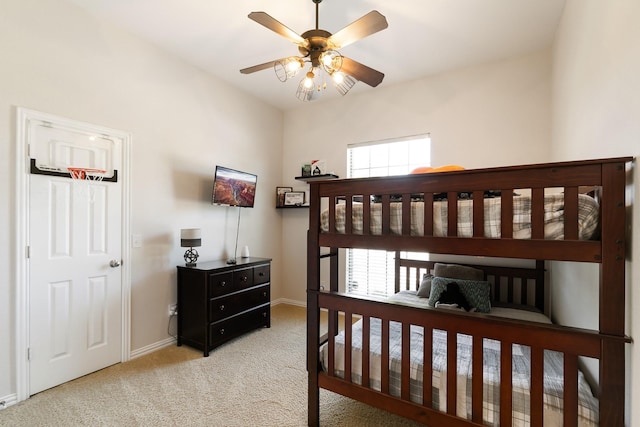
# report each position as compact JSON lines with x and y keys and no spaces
{"x":280,"y":192}
{"x":294,"y":198}
{"x":306,"y":169}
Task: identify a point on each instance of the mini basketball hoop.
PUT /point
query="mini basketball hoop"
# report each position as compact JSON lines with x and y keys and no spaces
{"x":89,"y":174}
{"x":79,"y":175}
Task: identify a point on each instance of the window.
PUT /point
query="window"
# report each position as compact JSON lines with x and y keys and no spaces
{"x":371,"y":272}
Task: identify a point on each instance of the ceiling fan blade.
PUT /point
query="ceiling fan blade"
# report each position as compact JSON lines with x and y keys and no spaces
{"x":273,"y":24}
{"x":369,"y":24}
{"x":259,"y":67}
{"x":361,"y":72}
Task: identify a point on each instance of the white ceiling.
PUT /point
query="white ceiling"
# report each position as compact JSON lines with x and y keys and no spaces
{"x":424,"y":36}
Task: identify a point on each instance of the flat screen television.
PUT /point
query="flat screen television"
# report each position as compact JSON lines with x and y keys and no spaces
{"x":233,"y":188}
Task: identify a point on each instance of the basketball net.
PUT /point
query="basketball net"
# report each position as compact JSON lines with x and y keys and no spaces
{"x":80,"y":175}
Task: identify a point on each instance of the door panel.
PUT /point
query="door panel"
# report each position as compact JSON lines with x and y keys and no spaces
{"x":75,"y":319}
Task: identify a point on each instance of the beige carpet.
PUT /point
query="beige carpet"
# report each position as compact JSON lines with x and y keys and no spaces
{"x":256,"y":380}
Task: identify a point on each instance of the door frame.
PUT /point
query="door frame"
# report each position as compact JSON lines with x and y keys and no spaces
{"x":21,"y":238}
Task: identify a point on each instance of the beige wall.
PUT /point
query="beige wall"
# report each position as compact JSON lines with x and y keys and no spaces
{"x":596,"y":113}
{"x":491,"y":115}
{"x":59,"y":60}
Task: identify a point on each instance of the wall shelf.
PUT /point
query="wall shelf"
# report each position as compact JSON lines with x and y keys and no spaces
{"x":317,"y":177}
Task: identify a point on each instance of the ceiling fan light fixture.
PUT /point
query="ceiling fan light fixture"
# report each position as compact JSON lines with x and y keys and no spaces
{"x":331,"y":61}
{"x":343,"y":82}
{"x":288,"y":67}
{"x":319,"y":48}
{"x":310,"y":86}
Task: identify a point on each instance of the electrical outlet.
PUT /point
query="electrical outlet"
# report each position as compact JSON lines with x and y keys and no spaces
{"x":173,"y":309}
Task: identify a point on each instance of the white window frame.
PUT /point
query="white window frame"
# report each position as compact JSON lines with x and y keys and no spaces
{"x":368,"y":271}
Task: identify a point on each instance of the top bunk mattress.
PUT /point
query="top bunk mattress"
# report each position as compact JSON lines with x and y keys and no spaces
{"x":588,"y":218}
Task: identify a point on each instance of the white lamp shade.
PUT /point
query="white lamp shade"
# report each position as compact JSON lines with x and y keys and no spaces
{"x":190,"y":237}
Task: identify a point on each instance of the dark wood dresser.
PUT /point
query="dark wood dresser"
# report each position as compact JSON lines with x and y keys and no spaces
{"x":218,"y":301}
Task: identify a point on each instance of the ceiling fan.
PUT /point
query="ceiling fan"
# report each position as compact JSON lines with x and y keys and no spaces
{"x":320,"y":49}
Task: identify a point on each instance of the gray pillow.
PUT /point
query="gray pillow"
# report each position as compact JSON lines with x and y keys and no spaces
{"x":425,"y":286}
{"x":477,"y":292}
{"x":456,"y":271}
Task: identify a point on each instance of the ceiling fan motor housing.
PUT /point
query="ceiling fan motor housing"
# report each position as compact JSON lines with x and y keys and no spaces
{"x":318,"y":44}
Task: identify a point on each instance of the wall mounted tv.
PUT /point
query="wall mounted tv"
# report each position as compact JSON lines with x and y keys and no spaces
{"x":233,"y":188}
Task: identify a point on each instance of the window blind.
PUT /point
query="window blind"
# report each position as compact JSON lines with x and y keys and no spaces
{"x":371,"y":272}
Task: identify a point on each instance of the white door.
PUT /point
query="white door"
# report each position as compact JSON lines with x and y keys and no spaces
{"x":75,"y":282}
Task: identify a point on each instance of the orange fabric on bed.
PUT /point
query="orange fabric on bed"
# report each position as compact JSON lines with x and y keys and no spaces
{"x":427,"y":169}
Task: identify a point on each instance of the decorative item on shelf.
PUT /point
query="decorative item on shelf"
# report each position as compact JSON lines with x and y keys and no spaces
{"x":280,"y":192}
{"x":318,"y":167}
{"x":294,"y":198}
{"x":190,"y":238}
{"x":306,"y":169}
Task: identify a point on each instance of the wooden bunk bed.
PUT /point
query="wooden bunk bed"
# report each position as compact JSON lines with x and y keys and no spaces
{"x":441,"y":213}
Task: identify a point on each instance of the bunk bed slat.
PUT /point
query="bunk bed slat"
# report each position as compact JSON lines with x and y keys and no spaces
{"x":537,"y":377}
{"x":428,"y":214}
{"x":452,"y":371}
{"x":348,"y":225}
{"x":384,"y":359}
{"x":452,"y":214}
{"x":478,"y":214}
{"x":506,"y":385}
{"x":386,"y":214}
{"x":348,"y":329}
{"x":366,"y":328}
{"x":570,"y":395}
{"x":506,"y":213}
{"x":477,"y":379}
{"x":571,"y":213}
{"x":366,"y":215}
{"x":406,"y":214}
{"x":405,"y":369}
{"x":427,"y":373}
{"x":537,"y":213}
{"x":332,"y":342}
{"x":332,"y":214}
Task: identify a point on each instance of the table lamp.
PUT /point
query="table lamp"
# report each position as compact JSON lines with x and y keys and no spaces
{"x":190,"y":238}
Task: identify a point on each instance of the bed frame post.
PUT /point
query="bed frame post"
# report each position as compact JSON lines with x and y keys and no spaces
{"x":313,"y":309}
{"x":612,"y":294}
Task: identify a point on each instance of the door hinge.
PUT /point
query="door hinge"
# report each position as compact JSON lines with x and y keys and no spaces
{"x":29,"y":353}
{"x":28,"y":252}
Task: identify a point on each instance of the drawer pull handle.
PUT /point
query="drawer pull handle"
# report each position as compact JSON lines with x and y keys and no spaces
{"x":245,"y":278}
{"x":264,"y":314}
{"x":222,"y":307}
{"x":222,"y":331}
{"x":261,"y":274}
{"x":223,"y":283}
{"x":264,"y":294}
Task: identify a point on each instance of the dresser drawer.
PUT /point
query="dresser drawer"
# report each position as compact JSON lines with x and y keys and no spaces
{"x":226,"y":306}
{"x":261,"y":274}
{"x":225,"y":330}
{"x":243,"y":278}
{"x":220,"y":284}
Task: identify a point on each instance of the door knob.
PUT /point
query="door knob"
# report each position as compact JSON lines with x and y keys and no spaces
{"x":114,"y":263}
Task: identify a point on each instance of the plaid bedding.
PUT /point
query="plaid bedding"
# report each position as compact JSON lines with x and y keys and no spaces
{"x":553,"y":372}
{"x":588,"y":213}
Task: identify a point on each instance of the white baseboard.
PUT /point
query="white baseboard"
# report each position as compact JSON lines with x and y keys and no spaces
{"x":8,"y":400}
{"x":152,"y":347}
{"x":288,"y":301}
